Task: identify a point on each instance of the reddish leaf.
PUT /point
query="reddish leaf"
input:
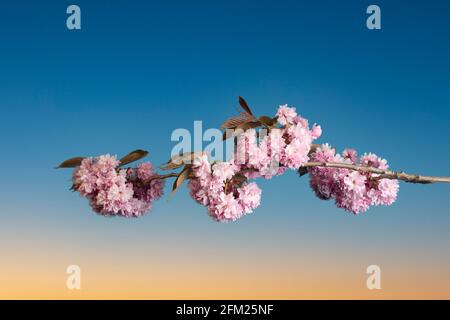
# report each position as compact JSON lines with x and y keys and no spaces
{"x":245,"y":106}
{"x":71,"y":163}
{"x":265,"y":120}
{"x":178,"y":161}
{"x":302,"y":171}
{"x":184,"y":174}
{"x":133,"y":156}
{"x":249,"y":125}
{"x":233,"y":122}
{"x":273,"y":121}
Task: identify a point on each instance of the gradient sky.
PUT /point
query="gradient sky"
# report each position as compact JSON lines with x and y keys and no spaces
{"x":139,"y":69}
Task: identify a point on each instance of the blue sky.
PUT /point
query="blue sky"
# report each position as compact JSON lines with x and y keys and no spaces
{"x":137,"y":70}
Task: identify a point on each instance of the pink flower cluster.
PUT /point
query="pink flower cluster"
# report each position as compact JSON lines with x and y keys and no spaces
{"x":115,"y":191}
{"x":282,"y":148}
{"x":223,"y":187}
{"x":216,"y":187}
{"x":352,"y":190}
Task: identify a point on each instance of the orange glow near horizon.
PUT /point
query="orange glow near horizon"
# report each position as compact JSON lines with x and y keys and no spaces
{"x":41,"y":275}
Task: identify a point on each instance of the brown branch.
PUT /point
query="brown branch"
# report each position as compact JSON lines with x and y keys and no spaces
{"x":162,"y":176}
{"x":384,"y":174}
{"x":166,"y":176}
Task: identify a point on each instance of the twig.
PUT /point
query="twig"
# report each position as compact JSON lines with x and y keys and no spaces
{"x":383,"y":174}
{"x":162,"y":176}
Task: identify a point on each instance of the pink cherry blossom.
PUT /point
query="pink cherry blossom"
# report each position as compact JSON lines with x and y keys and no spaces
{"x":145,"y":170}
{"x":223,"y":171}
{"x":114,"y":191}
{"x":226,"y":208}
{"x":224,"y":188}
{"x":352,"y":190}
{"x":316,"y":131}
{"x":350,"y":154}
{"x":286,"y":115}
{"x":259,"y":153}
{"x":355,"y":182}
{"x":249,"y":197}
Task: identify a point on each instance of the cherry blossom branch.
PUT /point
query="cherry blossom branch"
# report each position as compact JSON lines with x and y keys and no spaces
{"x":384,"y":174}
{"x":162,"y":176}
{"x":223,"y":187}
